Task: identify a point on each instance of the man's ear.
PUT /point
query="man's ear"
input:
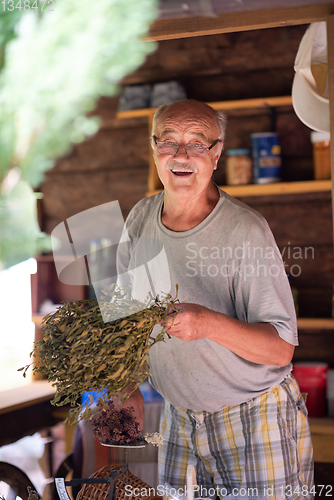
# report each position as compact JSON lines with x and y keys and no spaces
{"x":219,"y":150}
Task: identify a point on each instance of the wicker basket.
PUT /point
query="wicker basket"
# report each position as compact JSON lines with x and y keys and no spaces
{"x":138,"y":488}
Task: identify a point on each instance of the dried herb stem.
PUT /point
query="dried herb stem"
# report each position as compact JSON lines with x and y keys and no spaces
{"x":80,"y":352}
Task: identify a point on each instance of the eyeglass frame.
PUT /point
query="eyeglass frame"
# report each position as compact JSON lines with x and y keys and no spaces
{"x":208,"y":148}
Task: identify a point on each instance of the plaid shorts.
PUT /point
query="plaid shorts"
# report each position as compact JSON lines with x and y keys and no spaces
{"x":258,"y":450}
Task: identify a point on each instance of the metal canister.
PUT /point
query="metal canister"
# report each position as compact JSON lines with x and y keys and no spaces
{"x":266,"y":153}
{"x":238,"y":167}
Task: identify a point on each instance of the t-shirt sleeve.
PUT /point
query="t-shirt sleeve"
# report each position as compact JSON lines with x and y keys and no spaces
{"x":260,"y":284}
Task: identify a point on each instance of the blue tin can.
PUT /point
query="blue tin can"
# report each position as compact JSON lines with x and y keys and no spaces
{"x":266,"y":153}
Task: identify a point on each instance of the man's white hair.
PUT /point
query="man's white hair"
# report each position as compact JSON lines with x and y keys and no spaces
{"x":220,"y":117}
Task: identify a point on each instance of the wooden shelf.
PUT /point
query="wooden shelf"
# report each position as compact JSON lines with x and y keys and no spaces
{"x":315,"y":323}
{"x":237,"y":191}
{"x":274,"y":188}
{"x":322,"y":425}
{"x":322,"y":432}
{"x":278,"y":188}
{"x":262,"y":102}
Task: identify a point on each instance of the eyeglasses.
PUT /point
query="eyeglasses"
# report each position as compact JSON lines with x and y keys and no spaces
{"x":192,"y":149}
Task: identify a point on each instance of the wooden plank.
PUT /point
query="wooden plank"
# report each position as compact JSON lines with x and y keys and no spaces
{"x":221,"y":62}
{"x":25,"y":396}
{"x":239,"y":21}
{"x":252,"y":103}
{"x":153,"y":178}
{"x":323,"y":447}
{"x":278,"y":188}
{"x":315,"y":346}
{"x":261,"y":102}
{"x":274,"y":188}
{"x":316,"y":323}
{"x":322,"y":432}
{"x":322,"y":425}
{"x":135,"y":113}
{"x":297,"y":221}
{"x":61,"y":413}
{"x":330,"y":49}
{"x":311,"y":268}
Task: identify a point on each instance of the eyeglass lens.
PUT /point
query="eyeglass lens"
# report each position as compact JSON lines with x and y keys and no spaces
{"x":171,"y":148}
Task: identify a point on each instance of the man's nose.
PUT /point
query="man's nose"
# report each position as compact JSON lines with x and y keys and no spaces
{"x":181,"y":150}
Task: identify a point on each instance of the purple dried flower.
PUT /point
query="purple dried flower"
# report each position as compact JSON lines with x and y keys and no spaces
{"x":120,"y":426}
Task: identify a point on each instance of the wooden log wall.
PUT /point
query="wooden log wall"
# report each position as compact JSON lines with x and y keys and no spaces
{"x":113,"y":165}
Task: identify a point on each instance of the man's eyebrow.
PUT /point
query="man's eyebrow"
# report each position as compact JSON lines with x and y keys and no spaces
{"x":171,"y":131}
{"x":167,"y":131}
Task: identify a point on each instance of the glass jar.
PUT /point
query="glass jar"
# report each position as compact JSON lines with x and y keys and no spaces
{"x":238,"y":167}
{"x":321,"y":155}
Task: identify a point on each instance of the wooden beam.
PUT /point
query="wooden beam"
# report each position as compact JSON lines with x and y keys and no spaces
{"x":315,"y":323}
{"x":239,"y":21}
{"x":259,"y":102}
{"x":252,"y":103}
{"x":330,"y":55}
{"x":275,"y":188}
{"x":322,"y":433}
{"x":153,"y":178}
{"x":278,"y":188}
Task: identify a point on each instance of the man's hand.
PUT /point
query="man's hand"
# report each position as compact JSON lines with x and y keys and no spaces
{"x":191,"y":322}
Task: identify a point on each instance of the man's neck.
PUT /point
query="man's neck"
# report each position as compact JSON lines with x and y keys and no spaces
{"x":184,"y":213}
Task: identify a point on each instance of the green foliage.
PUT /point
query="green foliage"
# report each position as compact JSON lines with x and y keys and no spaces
{"x":10,"y":16}
{"x":57,"y":66}
{"x":21,"y":237}
{"x":82,"y":352}
{"x":8,"y":21}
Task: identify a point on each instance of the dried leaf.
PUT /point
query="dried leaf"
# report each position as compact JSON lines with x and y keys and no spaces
{"x":80,"y":352}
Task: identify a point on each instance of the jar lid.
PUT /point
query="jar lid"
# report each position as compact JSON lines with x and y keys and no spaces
{"x":320,"y":136}
{"x":244,"y":151}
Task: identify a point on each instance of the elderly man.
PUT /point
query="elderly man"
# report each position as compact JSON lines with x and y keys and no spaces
{"x":232,"y":408}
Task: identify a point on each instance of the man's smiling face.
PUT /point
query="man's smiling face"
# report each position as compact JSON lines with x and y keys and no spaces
{"x":185,"y":124}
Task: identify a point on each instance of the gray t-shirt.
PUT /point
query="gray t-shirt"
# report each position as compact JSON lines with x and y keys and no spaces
{"x":229,"y":263}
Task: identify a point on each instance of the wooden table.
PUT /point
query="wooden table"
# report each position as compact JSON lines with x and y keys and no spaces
{"x":26,"y":410}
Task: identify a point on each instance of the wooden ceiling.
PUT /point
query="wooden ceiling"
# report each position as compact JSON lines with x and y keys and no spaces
{"x":250,"y":15}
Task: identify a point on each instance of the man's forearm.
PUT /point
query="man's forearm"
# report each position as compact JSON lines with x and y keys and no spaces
{"x":256,"y":342}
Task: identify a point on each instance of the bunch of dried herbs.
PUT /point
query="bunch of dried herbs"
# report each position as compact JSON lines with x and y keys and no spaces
{"x":115,"y":426}
{"x":80,"y":352}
